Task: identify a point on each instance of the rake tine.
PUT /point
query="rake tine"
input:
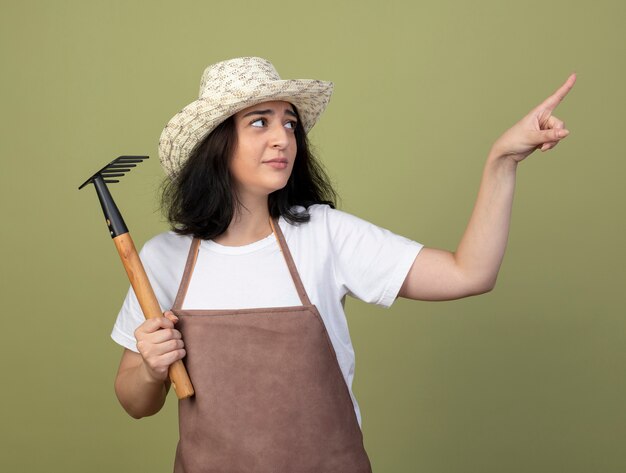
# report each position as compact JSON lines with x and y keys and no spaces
{"x":121,"y":164}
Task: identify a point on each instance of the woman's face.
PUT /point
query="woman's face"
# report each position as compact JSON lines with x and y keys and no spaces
{"x":266,"y":148}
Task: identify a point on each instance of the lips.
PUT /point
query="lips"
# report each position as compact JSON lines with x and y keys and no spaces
{"x":277,"y":163}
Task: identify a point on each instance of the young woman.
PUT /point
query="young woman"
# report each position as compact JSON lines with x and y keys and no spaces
{"x":258,"y":265}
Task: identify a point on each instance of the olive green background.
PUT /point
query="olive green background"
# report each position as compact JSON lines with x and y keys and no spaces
{"x":527,"y":378}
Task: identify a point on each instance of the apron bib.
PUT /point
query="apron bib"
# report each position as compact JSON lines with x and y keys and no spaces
{"x":270,"y":396}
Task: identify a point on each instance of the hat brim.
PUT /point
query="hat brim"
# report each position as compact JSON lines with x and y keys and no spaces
{"x":195,"y":121}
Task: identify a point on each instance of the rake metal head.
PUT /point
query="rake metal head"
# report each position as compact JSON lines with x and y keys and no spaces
{"x":116,"y":168}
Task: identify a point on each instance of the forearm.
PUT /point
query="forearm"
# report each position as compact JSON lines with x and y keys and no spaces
{"x":481,"y":249}
{"x":473,"y":268}
{"x":139,"y":394}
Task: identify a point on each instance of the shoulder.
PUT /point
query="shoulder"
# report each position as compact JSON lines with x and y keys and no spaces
{"x":164,"y":257}
{"x":344,"y":230}
{"x":165,"y":245}
{"x":339,"y":224}
{"x":324,"y":216}
{"x":331,"y":227}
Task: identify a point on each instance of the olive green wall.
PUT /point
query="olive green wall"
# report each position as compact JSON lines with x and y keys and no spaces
{"x":527,"y":378}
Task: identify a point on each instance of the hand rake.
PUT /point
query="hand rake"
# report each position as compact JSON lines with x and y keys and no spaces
{"x":130,"y":258}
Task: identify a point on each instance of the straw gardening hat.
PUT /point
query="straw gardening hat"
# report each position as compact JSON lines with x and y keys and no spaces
{"x":228,"y":87}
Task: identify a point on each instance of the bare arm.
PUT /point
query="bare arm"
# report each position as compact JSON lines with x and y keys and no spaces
{"x":473,"y":268}
{"x":142,"y":383}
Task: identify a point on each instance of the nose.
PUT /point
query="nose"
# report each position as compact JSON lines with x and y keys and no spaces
{"x":280,"y":136}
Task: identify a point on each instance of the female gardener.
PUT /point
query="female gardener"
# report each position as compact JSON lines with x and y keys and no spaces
{"x":257,"y":267}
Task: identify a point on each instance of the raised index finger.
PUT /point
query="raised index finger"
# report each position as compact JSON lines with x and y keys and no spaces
{"x":551,"y":102}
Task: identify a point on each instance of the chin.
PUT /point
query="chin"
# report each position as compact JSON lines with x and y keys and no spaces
{"x":277,"y":185}
{"x":276,"y":189}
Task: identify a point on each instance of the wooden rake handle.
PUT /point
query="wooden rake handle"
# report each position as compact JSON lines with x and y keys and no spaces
{"x":149,"y":305}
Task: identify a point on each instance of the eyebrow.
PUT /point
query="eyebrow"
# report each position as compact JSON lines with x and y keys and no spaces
{"x":269,"y":112}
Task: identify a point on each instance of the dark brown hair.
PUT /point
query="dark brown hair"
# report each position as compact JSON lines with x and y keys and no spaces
{"x":200,"y":199}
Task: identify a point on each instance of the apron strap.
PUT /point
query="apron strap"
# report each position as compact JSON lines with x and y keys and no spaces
{"x":282,"y":244}
{"x":184,"y":282}
{"x":284,"y":248}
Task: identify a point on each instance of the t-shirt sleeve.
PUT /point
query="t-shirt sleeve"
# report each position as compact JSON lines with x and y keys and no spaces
{"x":128,"y":319}
{"x":163,"y":265}
{"x":370,"y":262}
{"x":130,"y":315}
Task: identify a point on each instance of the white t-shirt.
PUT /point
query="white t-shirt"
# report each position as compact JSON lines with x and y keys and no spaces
{"x":335,"y":254}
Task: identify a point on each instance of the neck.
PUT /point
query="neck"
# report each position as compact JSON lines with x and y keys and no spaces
{"x":250,"y":223}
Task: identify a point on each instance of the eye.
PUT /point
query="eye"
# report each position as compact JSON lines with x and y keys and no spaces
{"x":258,"y":123}
{"x":291,"y":124}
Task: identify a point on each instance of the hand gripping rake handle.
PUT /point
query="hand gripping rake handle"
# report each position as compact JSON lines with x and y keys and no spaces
{"x":130,"y":258}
